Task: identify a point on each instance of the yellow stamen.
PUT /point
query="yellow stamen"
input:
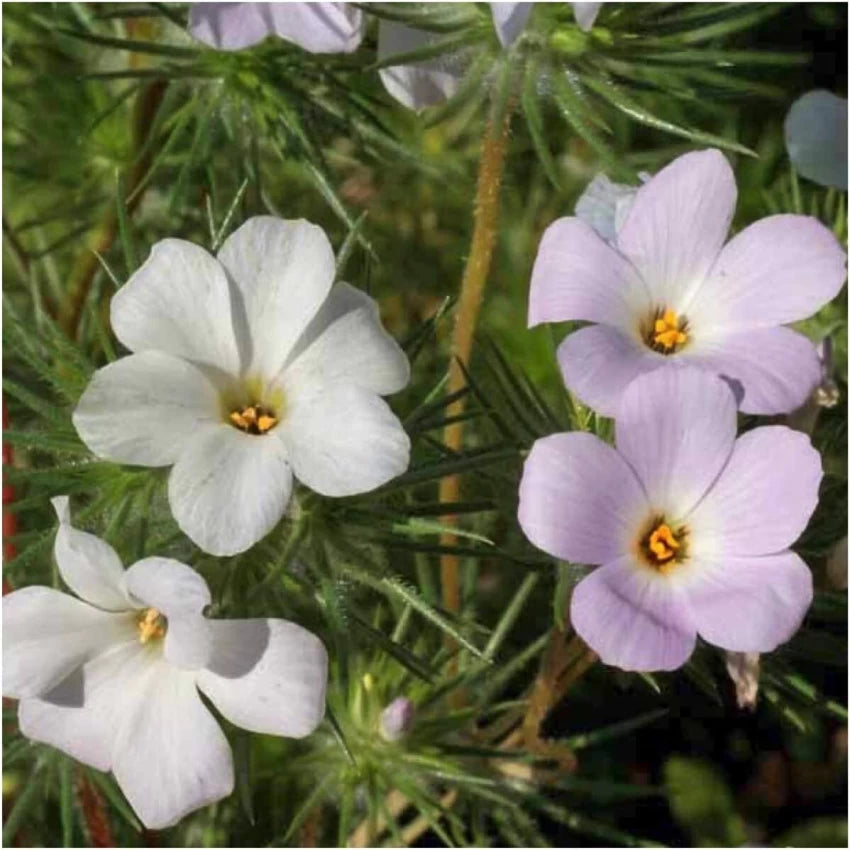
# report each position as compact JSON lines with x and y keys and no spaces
{"x":667,"y":331}
{"x":662,"y":543}
{"x":151,"y":625}
{"x":254,"y":419}
{"x":265,"y":422}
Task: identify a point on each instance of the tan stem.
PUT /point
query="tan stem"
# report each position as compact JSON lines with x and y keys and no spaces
{"x":485,"y":231}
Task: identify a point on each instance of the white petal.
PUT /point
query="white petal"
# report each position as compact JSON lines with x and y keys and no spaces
{"x":87,"y":564}
{"x":341,"y":439}
{"x":229,"y":488}
{"x":170,"y":755}
{"x":178,"y":302}
{"x":181,"y":594}
{"x":283,"y":271}
{"x":417,"y":85}
{"x":267,"y":676}
{"x":82,"y":714}
{"x":48,"y":634}
{"x":510,"y":20}
{"x":585,"y":14}
{"x":346,"y":342}
{"x":816,"y":137}
{"x":144,"y":409}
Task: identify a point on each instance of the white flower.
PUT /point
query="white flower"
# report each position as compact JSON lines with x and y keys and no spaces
{"x":431,"y":81}
{"x":112,"y":678}
{"x":248,"y":368}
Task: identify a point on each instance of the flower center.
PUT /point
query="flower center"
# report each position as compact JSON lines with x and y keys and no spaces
{"x":151,"y":625}
{"x":667,"y":331}
{"x":254,"y":419}
{"x":662,"y":547}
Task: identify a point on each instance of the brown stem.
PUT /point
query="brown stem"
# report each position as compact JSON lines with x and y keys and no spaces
{"x":485,"y":231}
{"x":94,"y":814}
{"x":563,"y":663}
{"x":144,"y":112}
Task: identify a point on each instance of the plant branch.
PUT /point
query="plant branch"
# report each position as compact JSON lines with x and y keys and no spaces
{"x":485,"y":231}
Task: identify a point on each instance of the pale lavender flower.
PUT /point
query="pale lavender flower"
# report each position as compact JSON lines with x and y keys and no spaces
{"x":816,"y":137}
{"x":431,"y":81}
{"x":690,"y":526}
{"x":396,"y":719}
{"x":317,"y":27}
{"x":112,"y":676}
{"x":667,"y":292}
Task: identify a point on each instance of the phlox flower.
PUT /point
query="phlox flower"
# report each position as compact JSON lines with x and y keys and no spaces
{"x":112,"y":675}
{"x":689,"y":526}
{"x":431,"y":81}
{"x":316,"y":27}
{"x":665,"y":291}
{"x":247,"y":368}
{"x":816,"y":137}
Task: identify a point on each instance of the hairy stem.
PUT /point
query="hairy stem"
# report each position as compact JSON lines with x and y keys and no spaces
{"x":485,"y":231}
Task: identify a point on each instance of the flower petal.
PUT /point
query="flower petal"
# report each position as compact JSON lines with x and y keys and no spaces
{"x":762,"y":500}
{"x":180,"y":593}
{"x":578,"y":499}
{"x":178,"y":302}
{"x":779,"y":269}
{"x":678,"y":224}
{"x":144,"y":409}
{"x":771,"y":370}
{"x":633,"y":618}
{"x":578,"y":275}
{"x":317,"y":27}
{"x":749,"y":604}
{"x":230,"y":26}
{"x":87,"y":564}
{"x":170,"y":756}
{"x":48,"y":634}
{"x":676,"y":427}
{"x":417,"y":85}
{"x":599,"y":362}
{"x":267,"y":676}
{"x":341,"y":439}
{"x":346,"y":342}
{"x":604,"y":205}
{"x":82,"y":714}
{"x":283,"y":271}
{"x":816,"y":137}
{"x":510,"y":19}
{"x":585,"y":14}
{"x":229,"y":488}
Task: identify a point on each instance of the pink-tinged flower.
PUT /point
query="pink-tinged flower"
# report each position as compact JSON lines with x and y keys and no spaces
{"x":690,"y":526}
{"x":112,"y":675}
{"x":248,"y":368}
{"x":816,"y":137}
{"x":396,"y":719}
{"x":667,"y":292}
{"x":317,"y":27}
{"x":432,"y":81}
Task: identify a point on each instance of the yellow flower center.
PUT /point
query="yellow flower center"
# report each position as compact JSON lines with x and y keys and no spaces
{"x":667,"y":334}
{"x":254,"y":419}
{"x":662,"y":547}
{"x":151,"y":625}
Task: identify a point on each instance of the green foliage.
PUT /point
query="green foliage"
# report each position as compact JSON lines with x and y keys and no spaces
{"x":119,"y":131}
